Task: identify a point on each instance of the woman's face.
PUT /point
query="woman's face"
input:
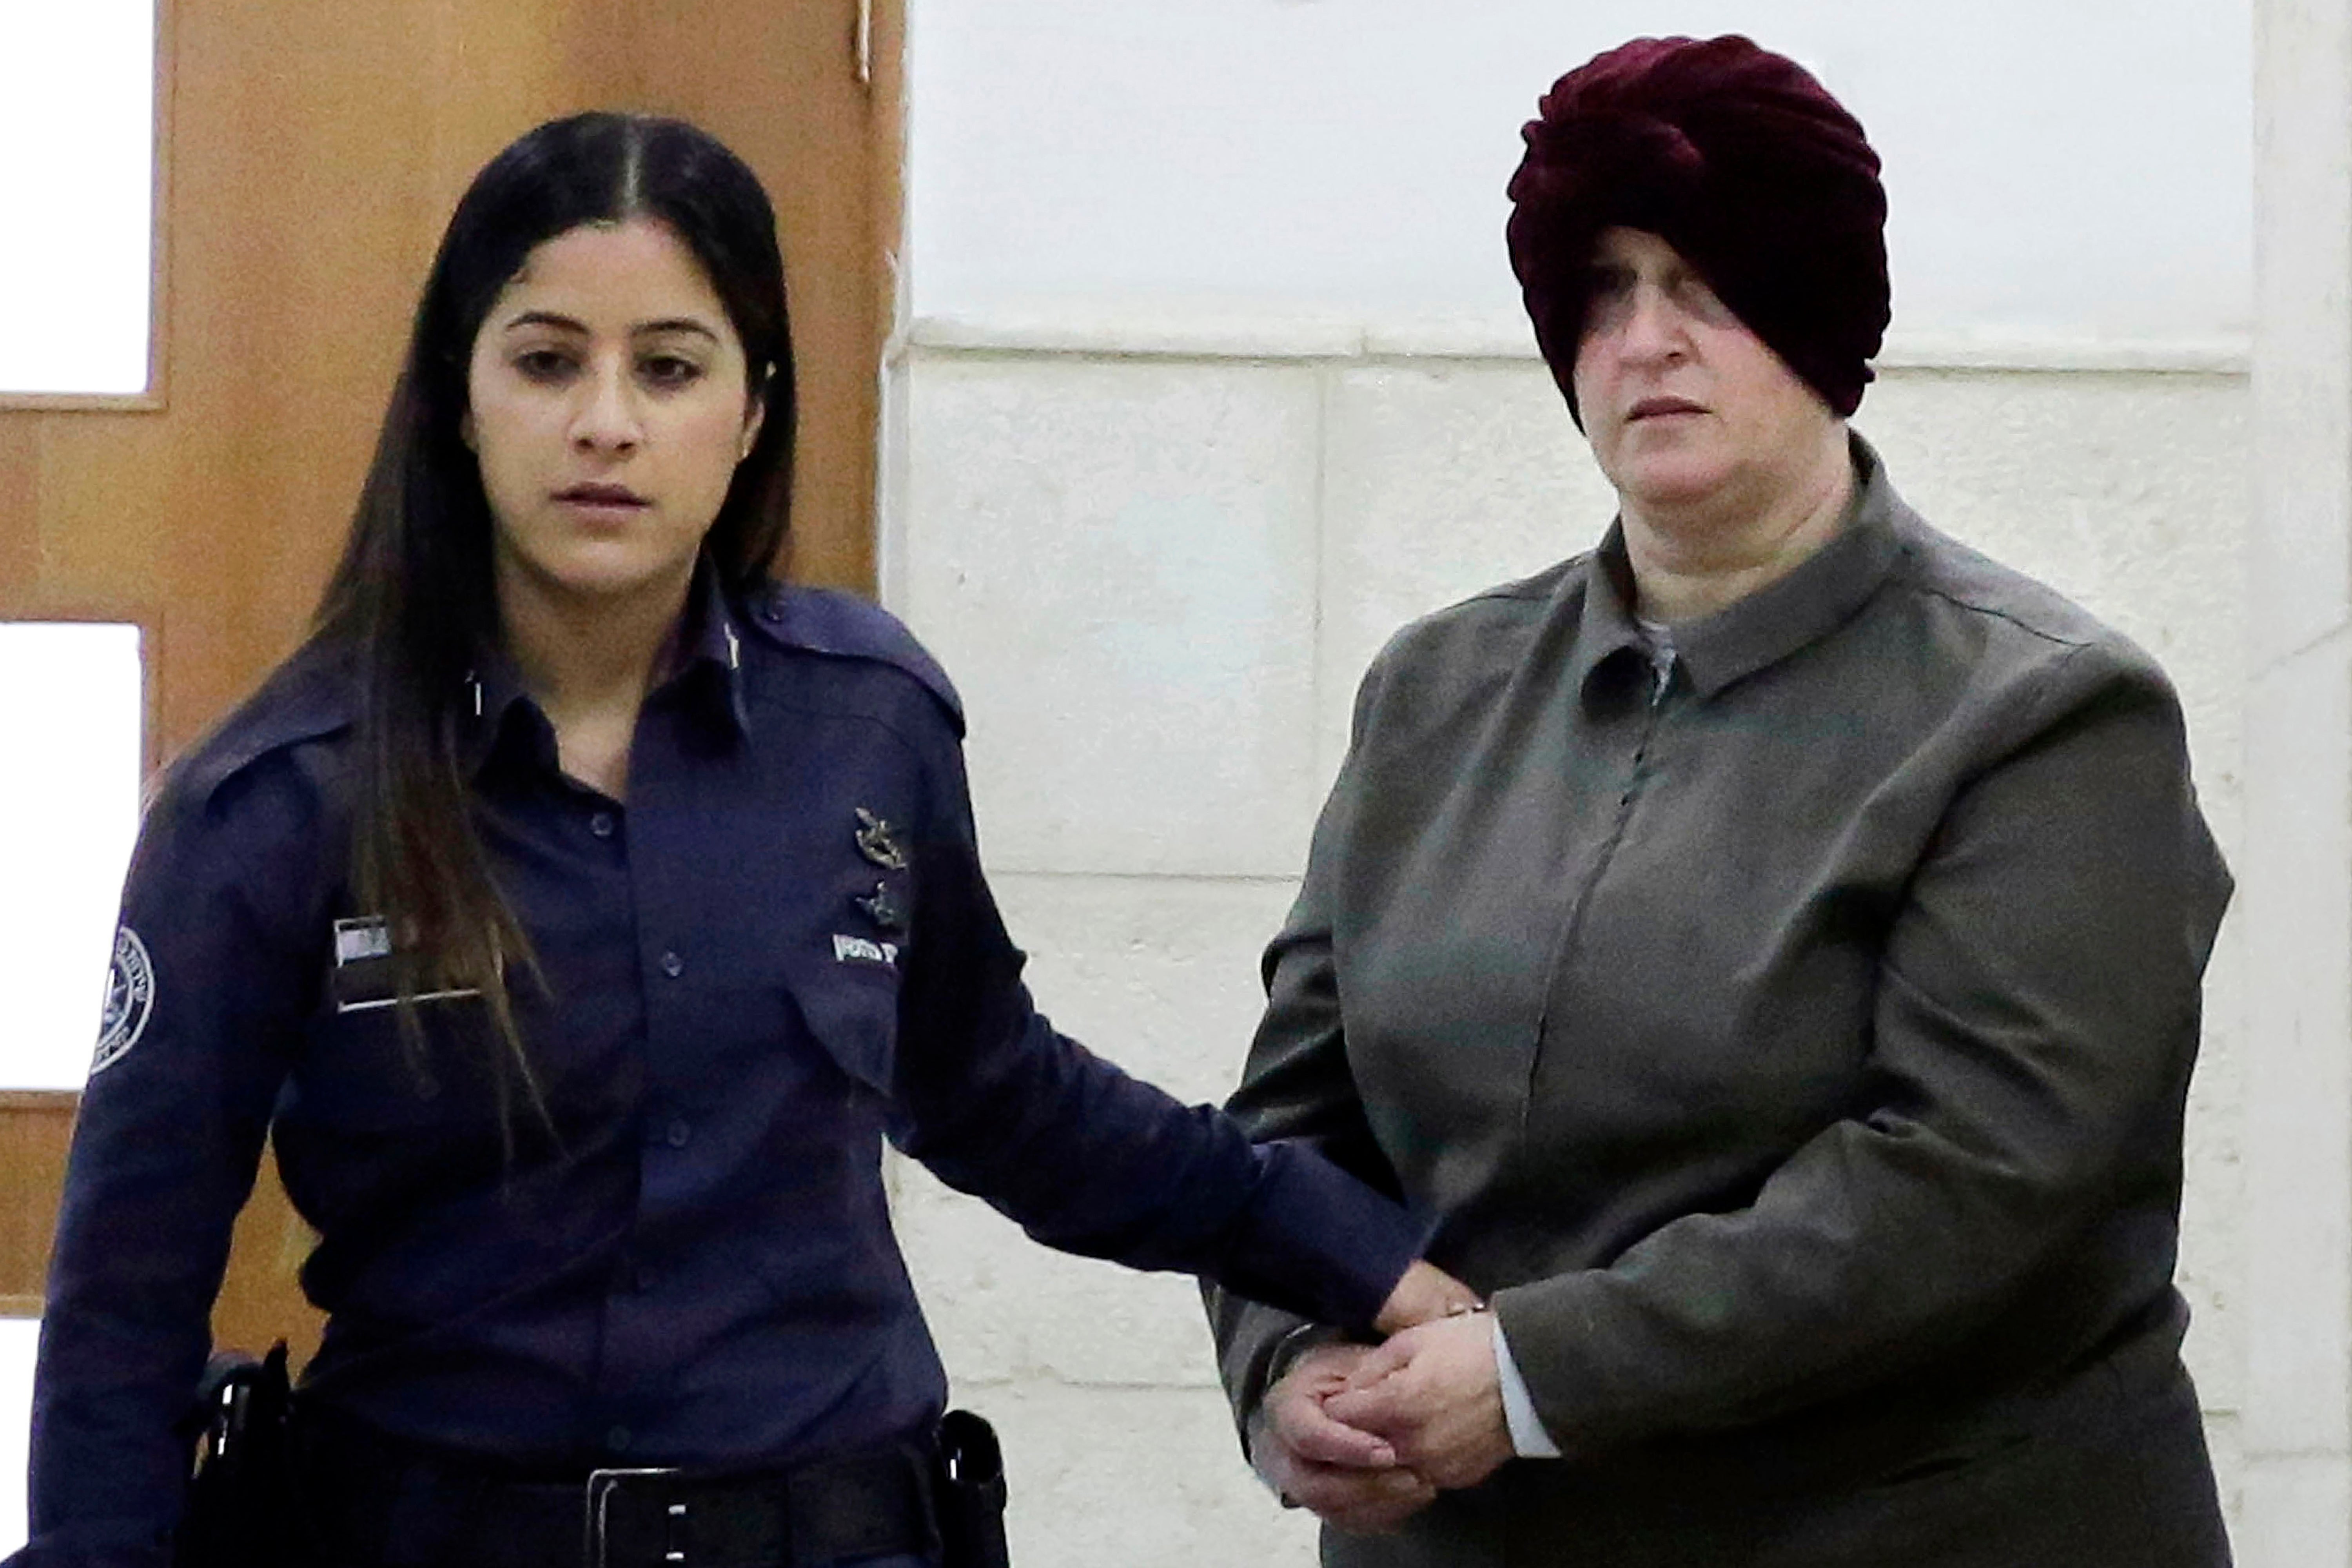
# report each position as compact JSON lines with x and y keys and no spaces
{"x":606,"y":403}
{"x":1683,"y":404}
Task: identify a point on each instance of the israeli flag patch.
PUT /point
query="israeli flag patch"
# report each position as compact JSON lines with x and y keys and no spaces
{"x":362,"y":939}
{"x":365,"y":978}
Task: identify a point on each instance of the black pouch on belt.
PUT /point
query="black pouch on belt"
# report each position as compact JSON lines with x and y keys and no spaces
{"x":235,"y":1514}
{"x":970,"y":1493}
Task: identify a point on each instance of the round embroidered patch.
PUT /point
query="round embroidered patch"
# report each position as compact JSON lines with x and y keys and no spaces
{"x":130,"y":998}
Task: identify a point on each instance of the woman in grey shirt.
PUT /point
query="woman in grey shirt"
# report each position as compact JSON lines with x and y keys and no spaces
{"x":1773,"y":944}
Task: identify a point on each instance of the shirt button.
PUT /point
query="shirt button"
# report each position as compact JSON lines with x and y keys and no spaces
{"x":600,"y":825}
{"x":618,"y":1439}
{"x":672,"y":965}
{"x":644,"y":1276}
{"x":679,"y":1133}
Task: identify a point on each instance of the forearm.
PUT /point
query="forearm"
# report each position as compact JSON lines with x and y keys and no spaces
{"x":1295,"y":1091}
{"x":166,"y":1142}
{"x":1091,"y":1161}
{"x":142,"y":1244}
{"x":1999,"y":1235}
{"x":1719,"y":1320}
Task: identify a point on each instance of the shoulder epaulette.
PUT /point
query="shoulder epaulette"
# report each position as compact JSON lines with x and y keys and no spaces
{"x":309,"y":696}
{"x":826,"y":621}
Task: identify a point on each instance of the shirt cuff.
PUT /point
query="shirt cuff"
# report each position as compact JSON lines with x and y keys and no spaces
{"x":1317,"y":1241}
{"x":1528,"y":1438}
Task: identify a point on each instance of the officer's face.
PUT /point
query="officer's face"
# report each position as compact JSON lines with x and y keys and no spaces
{"x":606,"y":402}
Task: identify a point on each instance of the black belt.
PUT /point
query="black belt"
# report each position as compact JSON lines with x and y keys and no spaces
{"x":868,"y":1505}
{"x":372,"y":1500}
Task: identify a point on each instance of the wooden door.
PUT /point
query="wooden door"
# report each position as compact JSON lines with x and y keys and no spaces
{"x":314,"y":150}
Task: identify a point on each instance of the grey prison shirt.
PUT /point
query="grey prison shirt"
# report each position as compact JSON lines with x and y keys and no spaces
{"x":1794,"y":1048}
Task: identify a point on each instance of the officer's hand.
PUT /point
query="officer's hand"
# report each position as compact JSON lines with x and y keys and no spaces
{"x":1350,"y":1478}
{"x":1435,"y":1394}
{"x":1426,"y":1292}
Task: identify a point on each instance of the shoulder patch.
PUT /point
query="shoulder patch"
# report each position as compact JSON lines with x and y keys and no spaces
{"x":827,"y":621}
{"x":130,"y":1001}
{"x":310,"y":695}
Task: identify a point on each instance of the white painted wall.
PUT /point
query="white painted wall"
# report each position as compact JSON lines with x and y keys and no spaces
{"x":2294,"y":906}
{"x":2078,"y":169}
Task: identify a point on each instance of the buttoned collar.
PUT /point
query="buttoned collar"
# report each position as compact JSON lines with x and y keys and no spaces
{"x":495,"y":711}
{"x":1609,"y":647}
{"x":1767,"y":626}
{"x":710,"y":651}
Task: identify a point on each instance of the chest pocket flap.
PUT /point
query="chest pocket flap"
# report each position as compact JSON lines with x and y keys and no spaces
{"x":847,"y":994}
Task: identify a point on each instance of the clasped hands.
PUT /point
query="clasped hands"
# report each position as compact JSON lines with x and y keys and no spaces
{"x":1368,"y":1435}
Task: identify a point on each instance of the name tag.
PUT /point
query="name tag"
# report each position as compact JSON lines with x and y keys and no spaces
{"x":366,"y":977}
{"x":861,"y":950}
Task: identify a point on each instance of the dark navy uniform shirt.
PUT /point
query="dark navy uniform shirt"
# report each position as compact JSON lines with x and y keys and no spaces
{"x":780,"y":949}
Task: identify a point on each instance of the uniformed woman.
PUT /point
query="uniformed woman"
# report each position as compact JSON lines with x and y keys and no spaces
{"x":579,"y":908}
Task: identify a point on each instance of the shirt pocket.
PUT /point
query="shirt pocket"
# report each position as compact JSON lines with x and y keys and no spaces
{"x":848,"y":998}
{"x":363,"y":1075}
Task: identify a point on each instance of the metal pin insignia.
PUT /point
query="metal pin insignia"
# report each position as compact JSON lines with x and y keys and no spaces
{"x":875,"y":843}
{"x":884,"y":909}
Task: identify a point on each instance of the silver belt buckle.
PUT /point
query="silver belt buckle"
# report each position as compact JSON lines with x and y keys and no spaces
{"x":600,"y":1486}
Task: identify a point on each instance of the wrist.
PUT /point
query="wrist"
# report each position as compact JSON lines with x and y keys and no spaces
{"x":1424,"y":1292}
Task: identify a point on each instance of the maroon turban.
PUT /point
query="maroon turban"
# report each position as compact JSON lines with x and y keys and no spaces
{"x":1739,"y":160}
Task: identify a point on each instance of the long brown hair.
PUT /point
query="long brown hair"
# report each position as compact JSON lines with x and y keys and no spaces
{"x":412,"y":600}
